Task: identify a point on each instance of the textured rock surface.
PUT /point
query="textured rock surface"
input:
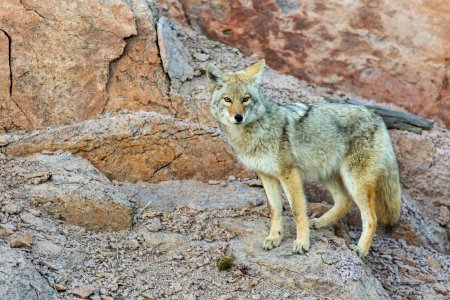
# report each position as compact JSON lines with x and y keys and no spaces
{"x":60,"y":57}
{"x":70,"y":188}
{"x":19,"y":278}
{"x":175,"y":58}
{"x":330,"y":269}
{"x":136,"y":146}
{"x":137,"y":80}
{"x":182,"y":228}
{"x":359,"y":47}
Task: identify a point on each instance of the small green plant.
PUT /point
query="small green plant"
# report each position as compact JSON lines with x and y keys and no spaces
{"x":225,"y":263}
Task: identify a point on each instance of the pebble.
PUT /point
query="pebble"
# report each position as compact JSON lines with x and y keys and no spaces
{"x":59,"y":287}
{"x":133,"y":244}
{"x":11,"y":209}
{"x":22,"y":241}
{"x":214,"y":182}
{"x":147,"y":296}
{"x":154,"y":225}
{"x":5,"y":230}
{"x":84,"y":291}
{"x":201,"y":56}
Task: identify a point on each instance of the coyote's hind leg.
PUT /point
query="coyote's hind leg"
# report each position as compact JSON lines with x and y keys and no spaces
{"x":342,"y":204}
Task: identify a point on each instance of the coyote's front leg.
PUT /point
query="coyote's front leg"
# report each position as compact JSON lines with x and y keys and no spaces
{"x":273,"y":193}
{"x":293,"y":187}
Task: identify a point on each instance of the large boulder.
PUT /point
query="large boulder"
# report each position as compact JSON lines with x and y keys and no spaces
{"x":368,"y":50}
{"x":69,"y":188}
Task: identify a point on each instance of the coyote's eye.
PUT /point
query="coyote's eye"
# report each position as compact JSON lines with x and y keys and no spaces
{"x":226,"y":99}
{"x":246,"y":99}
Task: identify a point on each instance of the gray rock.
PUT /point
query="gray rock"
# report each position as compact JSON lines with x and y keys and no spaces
{"x":165,"y":196}
{"x":175,"y":58}
{"x":330,"y":269}
{"x":201,"y":56}
{"x":19,"y":279}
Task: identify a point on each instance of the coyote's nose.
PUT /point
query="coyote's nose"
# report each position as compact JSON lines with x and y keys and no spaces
{"x":238,"y":118}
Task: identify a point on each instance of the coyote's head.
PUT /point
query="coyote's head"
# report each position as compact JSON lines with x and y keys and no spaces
{"x":235,"y":96}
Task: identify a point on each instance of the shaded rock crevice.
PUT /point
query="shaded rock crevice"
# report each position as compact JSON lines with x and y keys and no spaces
{"x":9,"y":63}
{"x":11,"y":77}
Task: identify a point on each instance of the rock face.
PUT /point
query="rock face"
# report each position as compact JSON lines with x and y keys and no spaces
{"x":70,"y":188}
{"x":19,"y":278}
{"x":136,"y":146}
{"x":71,"y":62}
{"x":60,"y":57}
{"x":362,"y":47}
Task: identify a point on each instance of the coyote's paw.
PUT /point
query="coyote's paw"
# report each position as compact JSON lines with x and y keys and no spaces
{"x":316,"y":223}
{"x":271,"y":242}
{"x":300,"y":246}
{"x":360,"y":251}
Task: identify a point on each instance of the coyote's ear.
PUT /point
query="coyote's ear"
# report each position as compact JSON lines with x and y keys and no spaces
{"x":256,"y":70}
{"x":215,"y":76}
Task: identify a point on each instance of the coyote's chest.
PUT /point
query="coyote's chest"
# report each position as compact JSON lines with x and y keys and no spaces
{"x":263,"y":163}
{"x":257,"y":154}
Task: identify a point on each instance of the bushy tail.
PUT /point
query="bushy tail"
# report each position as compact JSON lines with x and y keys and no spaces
{"x":388,"y":200}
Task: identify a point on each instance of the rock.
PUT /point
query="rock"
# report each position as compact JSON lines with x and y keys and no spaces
{"x":84,"y":291}
{"x":19,"y":279}
{"x":133,"y":245}
{"x":175,"y":58}
{"x":201,"y":56}
{"x":343,"y":276}
{"x":32,"y":220}
{"x":137,"y":80}
{"x":136,"y":146}
{"x":47,"y":248}
{"x":5,"y":230}
{"x":61,"y":59}
{"x":77,"y":193}
{"x":167,"y":195}
{"x":365,"y":51}
{"x":11,"y":208}
{"x":59,"y":287}
{"x":444,"y":215}
{"x":420,"y":158}
{"x":153,"y":225}
{"x":147,"y":296}
{"x":22,"y":241}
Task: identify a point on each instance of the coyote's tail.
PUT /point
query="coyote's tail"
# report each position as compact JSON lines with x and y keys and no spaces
{"x":388,"y":200}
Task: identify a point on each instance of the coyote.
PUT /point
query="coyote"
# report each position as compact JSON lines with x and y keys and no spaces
{"x":347,"y":148}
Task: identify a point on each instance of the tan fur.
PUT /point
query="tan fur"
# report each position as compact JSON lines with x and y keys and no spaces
{"x":345,"y":147}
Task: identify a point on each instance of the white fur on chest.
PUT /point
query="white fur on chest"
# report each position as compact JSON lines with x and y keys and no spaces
{"x":264,"y":163}
{"x":257,"y":150}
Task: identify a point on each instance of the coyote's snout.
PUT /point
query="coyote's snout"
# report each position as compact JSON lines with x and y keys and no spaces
{"x":345,"y":147}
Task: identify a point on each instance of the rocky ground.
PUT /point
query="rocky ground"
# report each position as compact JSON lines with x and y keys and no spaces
{"x":178,"y":233}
